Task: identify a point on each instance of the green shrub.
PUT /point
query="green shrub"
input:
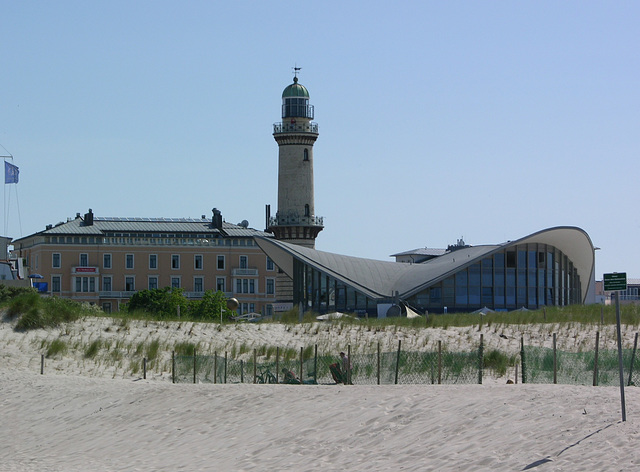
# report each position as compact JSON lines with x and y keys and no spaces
{"x":35,"y":312}
{"x":23,"y":303}
{"x":8,"y":293}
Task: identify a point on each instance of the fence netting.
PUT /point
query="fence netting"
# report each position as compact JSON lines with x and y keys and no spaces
{"x":577,"y":368}
{"x":400,"y":367}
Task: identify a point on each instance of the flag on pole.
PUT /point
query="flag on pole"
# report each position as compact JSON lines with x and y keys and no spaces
{"x":10,"y":173}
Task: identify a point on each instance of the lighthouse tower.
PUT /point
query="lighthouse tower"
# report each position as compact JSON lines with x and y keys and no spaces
{"x":295,"y":220}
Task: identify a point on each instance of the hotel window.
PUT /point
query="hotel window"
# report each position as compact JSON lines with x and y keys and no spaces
{"x":271,"y":286}
{"x":85,"y":284}
{"x":220,"y":262}
{"x":106,"y":284}
{"x":106,"y":261}
{"x":84,"y":260}
{"x":153,"y":261}
{"x":175,"y":282}
{"x":269,"y":263}
{"x":130,"y":284}
{"x":197,"y":261}
{"x":198,"y":284}
{"x":244,"y":262}
{"x":106,"y":307}
{"x":220,"y":284}
{"x":153,"y":283}
{"x":245,"y":286}
{"x":55,"y":260}
{"x":175,"y":261}
{"x":55,"y":283}
{"x":129,"y":261}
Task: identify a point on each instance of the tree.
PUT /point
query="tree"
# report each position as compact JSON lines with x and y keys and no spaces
{"x":162,"y":302}
{"x":210,"y":306}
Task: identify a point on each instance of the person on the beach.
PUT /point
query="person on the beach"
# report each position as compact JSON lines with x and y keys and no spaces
{"x":289,"y":377}
{"x":346,"y":368}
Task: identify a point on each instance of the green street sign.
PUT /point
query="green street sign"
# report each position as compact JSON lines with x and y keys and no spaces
{"x":615,"y":281}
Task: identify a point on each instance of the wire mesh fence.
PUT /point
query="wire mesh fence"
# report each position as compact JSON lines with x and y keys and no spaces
{"x":545,"y":365}
{"x":381,"y":368}
{"x":538,"y":365}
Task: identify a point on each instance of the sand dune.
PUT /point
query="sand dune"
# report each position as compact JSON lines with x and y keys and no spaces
{"x":75,"y":420}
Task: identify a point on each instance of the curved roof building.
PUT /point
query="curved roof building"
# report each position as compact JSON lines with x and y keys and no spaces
{"x":555,"y":267}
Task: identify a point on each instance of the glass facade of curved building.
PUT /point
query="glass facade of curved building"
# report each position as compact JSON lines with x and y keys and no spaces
{"x":527,"y":275}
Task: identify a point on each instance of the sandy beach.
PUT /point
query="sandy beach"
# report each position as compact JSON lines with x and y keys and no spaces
{"x":93,"y":415}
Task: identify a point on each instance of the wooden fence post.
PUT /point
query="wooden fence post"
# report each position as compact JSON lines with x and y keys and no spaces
{"x":225,"y":366}
{"x":378,"y":370}
{"x":195,"y":370}
{"x":555,"y":361}
{"x":301,"y":363}
{"x":480,"y":359}
{"x":144,"y":368}
{"x":42,"y":364}
{"x":633,"y":358}
{"x":277,"y":365}
{"x":255,"y":371}
{"x":439,"y":361}
{"x":398,"y":360}
{"x":349,"y":382}
{"x":523,"y":361}
{"x":315,"y":364}
{"x":595,"y":360}
{"x":173,"y":366}
{"x":215,"y":367}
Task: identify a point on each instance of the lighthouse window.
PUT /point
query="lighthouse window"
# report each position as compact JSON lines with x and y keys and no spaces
{"x":306,"y":210}
{"x":296,"y":107}
{"x":306,"y":154}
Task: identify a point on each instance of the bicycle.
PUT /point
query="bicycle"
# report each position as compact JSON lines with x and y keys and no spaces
{"x":265,"y":376}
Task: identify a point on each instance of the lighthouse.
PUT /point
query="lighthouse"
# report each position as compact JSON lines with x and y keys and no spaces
{"x":295,"y":220}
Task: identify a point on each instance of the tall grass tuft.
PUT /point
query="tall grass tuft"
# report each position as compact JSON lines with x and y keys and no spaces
{"x":498,"y":361}
{"x":185,"y":349}
{"x":57,"y":346}
{"x":153,"y":349}
{"x":92,"y":351}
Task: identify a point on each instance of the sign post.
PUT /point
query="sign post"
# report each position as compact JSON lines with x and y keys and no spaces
{"x":616,"y":282}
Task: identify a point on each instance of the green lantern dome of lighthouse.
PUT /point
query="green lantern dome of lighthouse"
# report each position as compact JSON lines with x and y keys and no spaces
{"x":295,"y":90}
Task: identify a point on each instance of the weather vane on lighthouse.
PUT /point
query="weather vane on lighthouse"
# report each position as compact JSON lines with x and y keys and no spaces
{"x":296,"y":69}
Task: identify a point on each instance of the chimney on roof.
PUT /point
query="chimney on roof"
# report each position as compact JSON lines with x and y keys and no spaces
{"x":88,"y":218}
{"x":216,"y":222}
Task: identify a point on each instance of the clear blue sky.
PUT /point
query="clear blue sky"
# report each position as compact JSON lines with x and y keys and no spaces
{"x":438,"y":120}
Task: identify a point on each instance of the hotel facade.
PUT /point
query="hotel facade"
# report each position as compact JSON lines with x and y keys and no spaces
{"x":104,"y":261}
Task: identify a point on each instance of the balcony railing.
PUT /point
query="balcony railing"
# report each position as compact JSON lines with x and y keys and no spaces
{"x":296,"y":221}
{"x":247,"y":272}
{"x":117,"y":294}
{"x":295,"y":128}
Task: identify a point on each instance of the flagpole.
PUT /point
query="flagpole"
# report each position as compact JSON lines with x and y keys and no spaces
{"x":5,"y":209}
